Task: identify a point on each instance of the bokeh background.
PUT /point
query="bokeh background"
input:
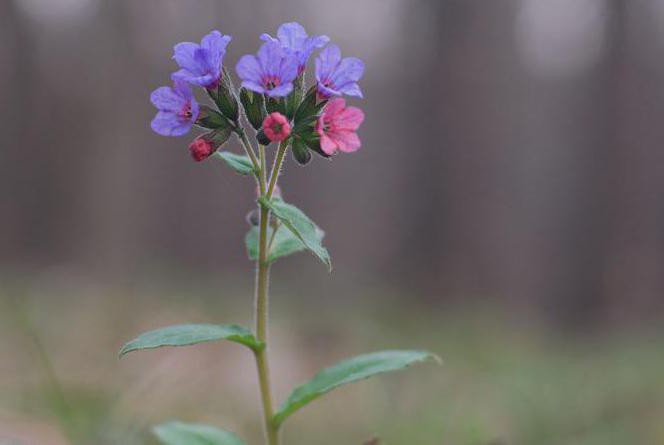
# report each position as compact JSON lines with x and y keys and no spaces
{"x":505,"y":211}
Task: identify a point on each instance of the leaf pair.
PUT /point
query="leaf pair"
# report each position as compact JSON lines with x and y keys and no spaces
{"x":347,"y":371}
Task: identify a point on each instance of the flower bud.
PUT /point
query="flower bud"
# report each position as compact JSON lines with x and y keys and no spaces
{"x":276,"y":127}
{"x":206,"y":145}
{"x":201,"y":148}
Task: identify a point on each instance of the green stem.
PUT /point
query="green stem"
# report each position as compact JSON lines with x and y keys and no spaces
{"x":262,"y":178}
{"x":262,"y":363}
{"x":248,"y":148}
{"x":276,"y":168}
{"x":262,"y":289}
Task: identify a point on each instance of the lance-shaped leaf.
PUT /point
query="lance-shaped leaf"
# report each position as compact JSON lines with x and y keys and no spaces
{"x":191,"y":334}
{"x":300,"y":225}
{"x":348,"y":371}
{"x":241,"y":164}
{"x":179,"y":433}
{"x":284,"y":243}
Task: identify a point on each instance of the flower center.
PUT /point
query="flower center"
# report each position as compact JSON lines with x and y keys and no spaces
{"x":277,"y":127}
{"x":186,"y":111}
{"x":271,"y":82}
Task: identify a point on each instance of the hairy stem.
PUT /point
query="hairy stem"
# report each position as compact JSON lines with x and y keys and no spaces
{"x":262,"y":289}
{"x":276,"y":168}
{"x":248,"y":148}
{"x":262,"y":363}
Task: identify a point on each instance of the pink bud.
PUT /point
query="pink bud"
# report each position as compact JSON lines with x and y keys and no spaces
{"x":276,"y":127}
{"x":201,"y":148}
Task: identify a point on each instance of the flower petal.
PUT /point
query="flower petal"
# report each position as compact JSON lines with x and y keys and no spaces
{"x":292,"y":35}
{"x":327,"y":61}
{"x":165,"y":99}
{"x":253,"y":86}
{"x":288,"y":68}
{"x":281,"y":90}
{"x":269,"y":58}
{"x":166,"y":123}
{"x":327,"y":145}
{"x":349,"y":119}
{"x":348,"y":141}
{"x":268,"y":38}
{"x":333,"y":107}
{"x":248,"y":68}
{"x":352,"y":89}
{"x":184,"y":55}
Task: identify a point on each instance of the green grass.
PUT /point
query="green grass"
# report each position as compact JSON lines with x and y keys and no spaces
{"x":503,"y":381}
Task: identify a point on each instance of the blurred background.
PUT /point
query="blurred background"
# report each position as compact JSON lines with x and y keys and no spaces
{"x":505,"y":211}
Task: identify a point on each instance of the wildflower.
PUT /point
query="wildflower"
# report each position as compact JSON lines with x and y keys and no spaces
{"x":276,"y":127}
{"x":178,"y":110}
{"x":337,"y":125}
{"x":294,"y":38}
{"x":337,"y":76}
{"x":201,"y":64}
{"x":270,"y":72}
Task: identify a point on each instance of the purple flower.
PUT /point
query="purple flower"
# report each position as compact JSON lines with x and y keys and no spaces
{"x":270,"y":72}
{"x":201,"y":64}
{"x":337,"y":76}
{"x":294,"y":38}
{"x":178,"y":110}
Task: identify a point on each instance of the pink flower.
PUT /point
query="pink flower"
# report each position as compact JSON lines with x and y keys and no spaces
{"x":276,"y":127}
{"x":337,"y":126}
{"x":201,"y":148}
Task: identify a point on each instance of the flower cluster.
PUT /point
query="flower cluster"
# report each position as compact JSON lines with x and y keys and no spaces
{"x":273,"y":95}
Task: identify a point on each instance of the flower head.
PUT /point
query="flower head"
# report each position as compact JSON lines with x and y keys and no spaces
{"x":201,"y":64}
{"x":337,"y":125}
{"x":337,"y":76}
{"x":276,"y":127}
{"x":294,"y":38}
{"x":270,"y":72}
{"x":178,"y":110}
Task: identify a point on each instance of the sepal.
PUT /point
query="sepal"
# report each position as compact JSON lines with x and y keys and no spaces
{"x":275,"y":105}
{"x":262,"y":138}
{"x":210,"y":118}
{"x":225,"y":98}
{"x":301,"y":153}
{"x":254,"y":107}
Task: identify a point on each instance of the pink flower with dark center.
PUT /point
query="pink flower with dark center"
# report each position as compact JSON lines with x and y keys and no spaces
{"x":201,"y":148}
{"x":337,"y":125}
{"x":276,"y":127}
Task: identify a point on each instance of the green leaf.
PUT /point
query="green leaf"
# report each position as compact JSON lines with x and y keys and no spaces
{"x":285,"y":243}
{"x":179,"y":433}
{"x":348,"y":371}
{"x":301,"y":226}
{"x":241,"y":164}
{"x":191,"y":334}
